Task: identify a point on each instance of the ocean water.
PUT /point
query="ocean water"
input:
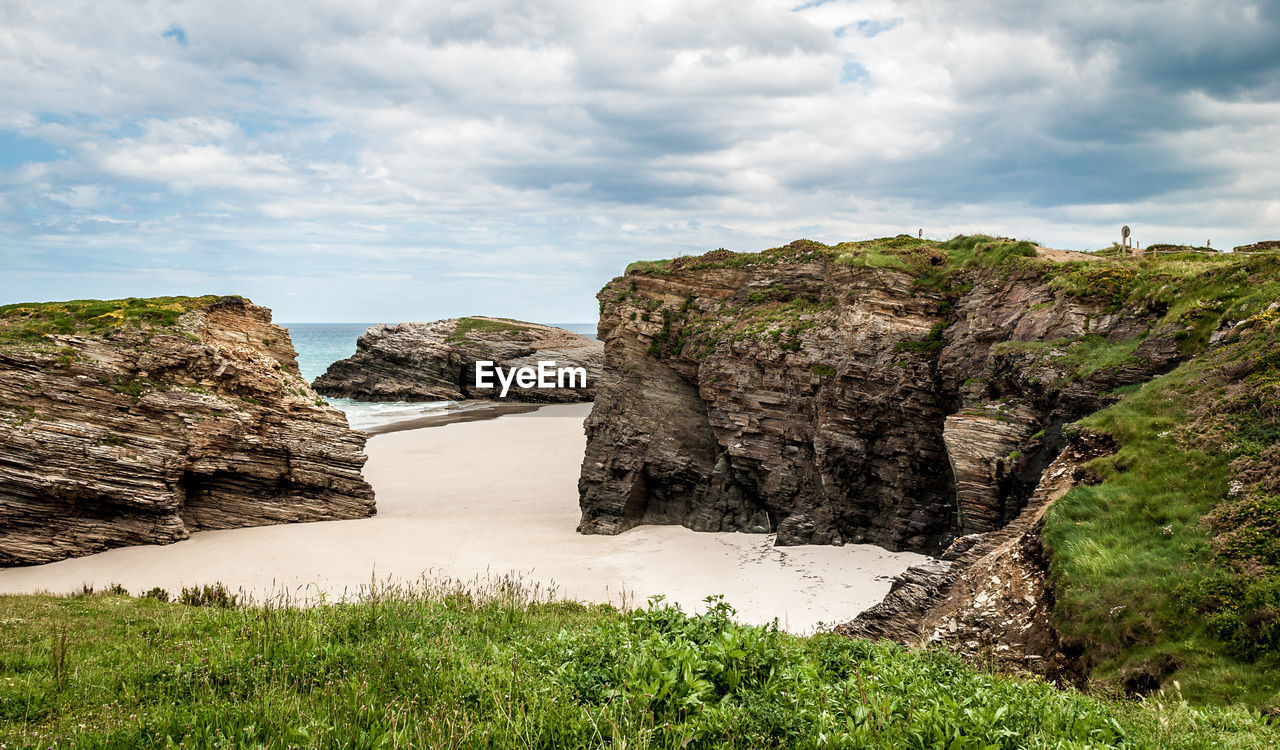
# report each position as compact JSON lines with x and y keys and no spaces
{"x":321,"y":344}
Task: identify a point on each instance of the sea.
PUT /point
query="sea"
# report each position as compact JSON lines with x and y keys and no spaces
{"x":321,"y":344}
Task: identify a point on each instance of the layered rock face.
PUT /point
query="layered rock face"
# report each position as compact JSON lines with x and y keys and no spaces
{"x":829,"y":401}
{"x":436,"y":361}
{"x":136,"y":436}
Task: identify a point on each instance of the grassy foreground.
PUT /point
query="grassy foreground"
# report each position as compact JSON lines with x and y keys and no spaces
{"x":448,"y":667}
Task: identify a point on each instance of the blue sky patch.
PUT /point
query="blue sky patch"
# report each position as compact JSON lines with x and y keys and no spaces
{"x":257,"y":125}
{"x":176,"y":33}
{"x":877,"y":27}
{"x":16,"y":150}
{"x":852,"y":72}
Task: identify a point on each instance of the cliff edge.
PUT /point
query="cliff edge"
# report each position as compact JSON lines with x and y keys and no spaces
{"x":140,"y":421}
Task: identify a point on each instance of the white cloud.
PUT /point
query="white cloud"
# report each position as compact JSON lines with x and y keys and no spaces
{"x":413,"y":143}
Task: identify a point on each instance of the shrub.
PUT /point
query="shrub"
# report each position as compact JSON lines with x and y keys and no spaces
{"x":208,"y":596}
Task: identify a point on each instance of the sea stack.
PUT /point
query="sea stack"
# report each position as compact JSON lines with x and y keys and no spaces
{"x":436,"y":361}
{"x":140,"y":421}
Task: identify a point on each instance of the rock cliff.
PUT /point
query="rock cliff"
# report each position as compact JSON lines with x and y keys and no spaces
{"x":899,"y":392}
{"x":436,"y":361}
{"x":987,"y":596}
{"x":140,"y":421}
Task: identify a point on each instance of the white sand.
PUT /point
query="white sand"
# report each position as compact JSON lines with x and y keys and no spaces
{"x":486,"y":499}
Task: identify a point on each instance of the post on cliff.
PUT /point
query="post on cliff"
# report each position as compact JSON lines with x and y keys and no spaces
{"x":1124,"y":239}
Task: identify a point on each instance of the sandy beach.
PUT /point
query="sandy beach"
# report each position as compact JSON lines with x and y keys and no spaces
{"x":488,"y":498}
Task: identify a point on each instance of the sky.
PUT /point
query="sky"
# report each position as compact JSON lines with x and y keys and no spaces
{"x":383,"y":161}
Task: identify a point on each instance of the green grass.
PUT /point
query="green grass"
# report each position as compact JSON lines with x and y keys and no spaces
{"x":901,"y":253}
{"x":32,"y":321}
{"x":648,"y":266}
{"x":1078,"y":358}
{"x":932,"y":262}
{"x":1158,"y":574}
{"x":800,"y":251}
{"x":874,"y":258}
{"x":969,"y":251}
{"x":468,"y":326}
{"x":492,"y":669}
{"x":1193,"y":289}
{"x":932,"y":342}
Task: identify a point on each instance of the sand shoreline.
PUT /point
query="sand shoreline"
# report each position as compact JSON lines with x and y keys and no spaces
{"x":465,"y":412}
{"x":485,"y":499}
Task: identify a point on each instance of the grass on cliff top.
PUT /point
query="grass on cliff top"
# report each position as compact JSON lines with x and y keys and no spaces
{"x":903,"y":253}
{"x":779,"y":312}
{"x":927,"y":259}
{"x":1168,"y":568}
{"x":1158,"y":280}
{"x":1186,"y":296}
{"x":1190,"y":292}
{"x":1199,"y":288}
{"x":886,"y":252}
{"x":491,"y":669}
{"x":32,"y":321}
{"x":468,"y":326}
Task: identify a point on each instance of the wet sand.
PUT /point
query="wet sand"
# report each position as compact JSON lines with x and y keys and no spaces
{"x":488,"y":498}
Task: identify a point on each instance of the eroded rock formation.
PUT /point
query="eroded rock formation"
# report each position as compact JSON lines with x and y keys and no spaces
{"x":141,"y":436}
{"x":804,"y":391}
{"x":436,"y":361}
{"x":987,"y":597}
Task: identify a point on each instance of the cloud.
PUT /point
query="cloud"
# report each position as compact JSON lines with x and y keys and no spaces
{"x":426,"y":152}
